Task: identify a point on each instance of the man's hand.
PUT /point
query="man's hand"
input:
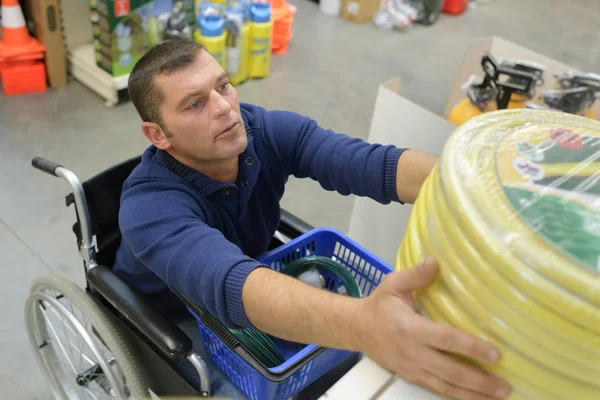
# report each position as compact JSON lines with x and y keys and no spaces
{"x":413,"y":347}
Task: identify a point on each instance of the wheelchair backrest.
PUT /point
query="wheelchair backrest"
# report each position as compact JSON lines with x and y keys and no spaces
{"x":103,"y":198}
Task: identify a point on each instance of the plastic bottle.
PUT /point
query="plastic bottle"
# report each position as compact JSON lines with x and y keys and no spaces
{"x":211,"y":32}
{"x":455,"y":7}
{"x":189,"y":8}
{"x":465,"y":110}
{"x":261,"y":29}
{"x":330,"y":7}
{"x":238,"y":44}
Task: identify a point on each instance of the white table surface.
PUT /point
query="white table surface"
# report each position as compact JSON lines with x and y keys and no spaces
{"x":368,"y":381}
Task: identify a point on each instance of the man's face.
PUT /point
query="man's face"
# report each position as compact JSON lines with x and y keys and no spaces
{"x":201,"y":111}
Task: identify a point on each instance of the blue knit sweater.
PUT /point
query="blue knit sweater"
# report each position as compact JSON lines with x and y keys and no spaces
{"x":184,"y":232}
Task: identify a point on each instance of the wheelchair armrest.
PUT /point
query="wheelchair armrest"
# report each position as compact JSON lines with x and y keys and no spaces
{"x":164,"y":334}
{"x":292,"y":226}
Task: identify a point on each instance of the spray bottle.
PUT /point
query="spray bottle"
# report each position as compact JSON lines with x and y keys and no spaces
{"x":261,"y":30}
{"x":237,"y":25}
{"x":211,"y":32}
{"x":176,"y":24}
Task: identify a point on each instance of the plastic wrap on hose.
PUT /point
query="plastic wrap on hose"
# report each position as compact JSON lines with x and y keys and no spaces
{"x":512,"y":215}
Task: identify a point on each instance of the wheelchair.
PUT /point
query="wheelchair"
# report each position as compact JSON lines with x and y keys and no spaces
{"x":106,"y":340}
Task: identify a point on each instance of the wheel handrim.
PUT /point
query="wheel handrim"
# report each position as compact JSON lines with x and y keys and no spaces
{"x":68,"y":348}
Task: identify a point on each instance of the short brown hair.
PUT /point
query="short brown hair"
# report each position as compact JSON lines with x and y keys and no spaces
{"x":163,"y":59}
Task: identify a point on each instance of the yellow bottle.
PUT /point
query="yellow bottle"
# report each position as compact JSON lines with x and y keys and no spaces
{"x":238,"y":44}
{"x":517,"y":100}
{"x":261,"y":29}
{"x":591,"y":114}
{"x":199,"y":3}
{"x":462,"y":112}
{"x":211,"y":33}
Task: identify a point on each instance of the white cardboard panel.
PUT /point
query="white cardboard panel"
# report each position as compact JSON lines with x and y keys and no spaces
{"x":400,"y":122}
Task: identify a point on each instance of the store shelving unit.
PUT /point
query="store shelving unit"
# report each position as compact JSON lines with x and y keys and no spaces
{"x":82,"y":62}
{"x":80,"y":53}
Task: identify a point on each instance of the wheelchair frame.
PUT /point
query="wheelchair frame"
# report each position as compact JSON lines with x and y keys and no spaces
{"x":102,"y":285}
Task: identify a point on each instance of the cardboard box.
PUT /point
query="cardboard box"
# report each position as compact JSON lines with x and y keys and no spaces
{"x":124,"y":30}
{"x":396,"y":120}
{"x":44,"y":16}
{"x":359,"y":11}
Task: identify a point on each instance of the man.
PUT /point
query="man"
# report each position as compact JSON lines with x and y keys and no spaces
{"x":206,"y":196}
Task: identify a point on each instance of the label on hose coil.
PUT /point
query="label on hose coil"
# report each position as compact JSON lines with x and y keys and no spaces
{"x":551,"y":177}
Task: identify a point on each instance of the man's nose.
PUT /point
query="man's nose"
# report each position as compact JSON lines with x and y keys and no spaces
{"x":220,"y":105}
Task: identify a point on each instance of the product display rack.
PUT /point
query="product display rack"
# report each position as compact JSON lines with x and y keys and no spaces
{"x":81,"y":55}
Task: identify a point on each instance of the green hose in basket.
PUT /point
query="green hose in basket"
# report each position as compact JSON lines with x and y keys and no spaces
{"x":258,"y":343}
{"x":302,"y":265}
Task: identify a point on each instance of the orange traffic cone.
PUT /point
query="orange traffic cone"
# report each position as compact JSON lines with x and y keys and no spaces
{"x":21,"y":68}
{"x":16,"y":40}
{"x":282,"y":14}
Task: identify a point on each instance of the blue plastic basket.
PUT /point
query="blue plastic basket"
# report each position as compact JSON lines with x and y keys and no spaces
{"x":304,"y":363}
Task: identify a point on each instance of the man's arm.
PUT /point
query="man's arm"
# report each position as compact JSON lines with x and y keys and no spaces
{"x":337,"y":161}
{"x":345,"y":164}
{"x":413,"y":168}
{"x":384,"y":326}
{"x":289,"y":309}
{"x":165,"y":229}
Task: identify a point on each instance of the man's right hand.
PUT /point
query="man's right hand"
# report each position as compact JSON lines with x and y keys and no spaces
{"x":416,"y":348}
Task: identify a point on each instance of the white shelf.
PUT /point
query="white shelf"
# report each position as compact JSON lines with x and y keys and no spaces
{"x":83,"y":67}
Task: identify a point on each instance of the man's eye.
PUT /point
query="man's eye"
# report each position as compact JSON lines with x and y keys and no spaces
{"x":195,"y":104}
{"x":225,"y":86}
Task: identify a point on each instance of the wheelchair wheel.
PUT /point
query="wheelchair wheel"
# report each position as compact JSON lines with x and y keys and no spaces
{"x":77,"y":345}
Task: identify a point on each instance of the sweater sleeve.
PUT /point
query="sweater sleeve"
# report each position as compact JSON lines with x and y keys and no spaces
{"x":338,"y":162}
{"x":166,"y":230}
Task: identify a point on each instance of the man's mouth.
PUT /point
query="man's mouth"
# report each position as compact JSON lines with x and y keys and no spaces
{"x":230,"y":129}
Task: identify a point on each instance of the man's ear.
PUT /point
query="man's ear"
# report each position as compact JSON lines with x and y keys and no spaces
{"x":156,"y":135}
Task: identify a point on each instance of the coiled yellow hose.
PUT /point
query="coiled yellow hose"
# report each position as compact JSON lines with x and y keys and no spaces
{"x":512,"y":215}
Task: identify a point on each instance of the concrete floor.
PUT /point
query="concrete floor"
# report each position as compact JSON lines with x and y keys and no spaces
{"x":334,"y":81}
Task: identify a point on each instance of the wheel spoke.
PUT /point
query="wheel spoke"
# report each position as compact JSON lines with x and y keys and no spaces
{"x":82,"y":357}
{"x":119,"y":377}
{"x":51,"y":326}
{"x":66,"y":326}
{"x":104,"y":350}
{"x":78,"y":349}
{"x":61,"y":363}
{"x":91,"y":393}
{"x":84,"y":321}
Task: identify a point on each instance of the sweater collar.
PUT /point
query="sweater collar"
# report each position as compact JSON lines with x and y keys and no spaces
{"x":204,"y":184}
